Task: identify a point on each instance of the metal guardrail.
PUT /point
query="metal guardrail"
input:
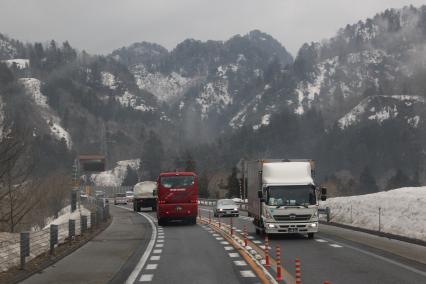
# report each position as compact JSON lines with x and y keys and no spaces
{"x":212,"y":202}
{"x":18,"y":248}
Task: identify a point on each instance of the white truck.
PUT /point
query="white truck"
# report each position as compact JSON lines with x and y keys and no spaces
{"x":282,"y":196}
{"x":144,"y":195}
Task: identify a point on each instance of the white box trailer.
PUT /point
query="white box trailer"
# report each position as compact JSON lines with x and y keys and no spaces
{"x":283,"y":197}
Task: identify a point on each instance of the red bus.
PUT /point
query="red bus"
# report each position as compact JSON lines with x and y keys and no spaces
{"x":177,"y":197}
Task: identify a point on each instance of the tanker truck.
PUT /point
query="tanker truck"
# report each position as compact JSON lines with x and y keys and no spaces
{"x":144,"y":195}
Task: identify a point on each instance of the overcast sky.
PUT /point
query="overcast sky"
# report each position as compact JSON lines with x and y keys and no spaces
{"x":100,"y":26}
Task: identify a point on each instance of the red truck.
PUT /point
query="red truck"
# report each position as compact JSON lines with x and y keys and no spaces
{"x":177,"y":197}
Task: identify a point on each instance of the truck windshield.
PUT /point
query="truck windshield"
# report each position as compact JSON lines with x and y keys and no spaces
{"x":177,"y":181}
{"x":300,"y":195}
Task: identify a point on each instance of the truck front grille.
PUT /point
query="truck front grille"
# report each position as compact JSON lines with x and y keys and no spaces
{"x":292,"y":217}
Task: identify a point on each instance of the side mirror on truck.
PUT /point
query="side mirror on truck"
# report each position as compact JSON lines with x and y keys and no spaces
{"x":323,"y":194}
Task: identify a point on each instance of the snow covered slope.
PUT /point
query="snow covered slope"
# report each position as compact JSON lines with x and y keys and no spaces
{"x":115,"y":176}
{"x":402,"y":211}
{"x":32,"y":86}
{"x":381,"y":108}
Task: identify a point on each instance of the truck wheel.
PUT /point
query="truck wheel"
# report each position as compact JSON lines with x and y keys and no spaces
{"x":311,"y":235}
{"x":193,"y":220}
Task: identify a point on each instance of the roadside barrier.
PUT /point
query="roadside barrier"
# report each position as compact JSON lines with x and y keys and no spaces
{"x":298,"y":272}
{"x":279,"y":276}
{"x":16,"y":249}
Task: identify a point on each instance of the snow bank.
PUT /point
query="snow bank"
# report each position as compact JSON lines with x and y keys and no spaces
{"x":115,"y":176}
{"x":65,"y":215}
{"x":402,"y":211}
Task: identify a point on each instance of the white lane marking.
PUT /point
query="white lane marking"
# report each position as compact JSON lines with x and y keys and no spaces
{"x":240,"y":263}
{"x":257,"y":242}
{"x":233,"y":254}
{"x":335,"y":246}
{"x":160,"y":237}
{"x":151,"y":266}
{"x":159,"y":245}
{"x":224,"y":243}
{"x":133,"y":276}
{"x":247,"y":273}
{"x":160,"y":241}
{"x":228,"y":248}
{"x":157,"y":251}
{"x":412,"y":269}
{"x":215,"y":235}
{"x":321,"y":241}
{"x":219,"y":238}
{"x":146,"y":278}
{"x":155,"y":257}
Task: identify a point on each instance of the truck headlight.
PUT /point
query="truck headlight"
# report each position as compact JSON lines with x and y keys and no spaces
{"x":313,"y":225}
{"x":271,"y":225}
{"x":235,"y":209}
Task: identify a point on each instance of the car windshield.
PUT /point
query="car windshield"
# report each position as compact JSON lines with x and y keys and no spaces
{"x":177,"y":181}
{"x":291,"y":195}
{"x":226,"y":202}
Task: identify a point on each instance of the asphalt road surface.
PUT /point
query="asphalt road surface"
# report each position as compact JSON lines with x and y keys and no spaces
{"x":343,"y":256}
{"x":134,"y":249}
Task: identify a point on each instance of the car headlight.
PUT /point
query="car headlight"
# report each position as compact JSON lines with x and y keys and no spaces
{"x":235,"y":209}
{"x":220,"y":209}
{"x":271,"y":225}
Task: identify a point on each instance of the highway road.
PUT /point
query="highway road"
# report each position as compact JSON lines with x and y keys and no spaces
{"x":342,"y":256}
{"x":134,"y":249}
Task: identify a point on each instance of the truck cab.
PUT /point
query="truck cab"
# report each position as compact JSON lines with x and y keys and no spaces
{"x":177,"y":197}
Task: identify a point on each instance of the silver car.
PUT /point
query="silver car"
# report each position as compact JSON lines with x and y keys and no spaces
{"x":226,"y":207}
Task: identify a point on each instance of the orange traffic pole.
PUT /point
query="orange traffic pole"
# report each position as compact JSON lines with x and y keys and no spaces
{"x":278,"y":260}
{"x":298,"y":272}
{"x":267,"y":264}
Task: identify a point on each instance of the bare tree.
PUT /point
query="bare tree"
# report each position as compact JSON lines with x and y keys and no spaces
{"x":18,"y":188}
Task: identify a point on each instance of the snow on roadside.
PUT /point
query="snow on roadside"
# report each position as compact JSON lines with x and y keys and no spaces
{"x":65,"y":214}
{"x":115,"y":176}
{"x":32,"y":86}
{"x":403,"y":211}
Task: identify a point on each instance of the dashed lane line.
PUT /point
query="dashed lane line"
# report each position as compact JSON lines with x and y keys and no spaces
{"x":146,"y":278}
{"x":247,"y":273}
{"x":335,"y":246}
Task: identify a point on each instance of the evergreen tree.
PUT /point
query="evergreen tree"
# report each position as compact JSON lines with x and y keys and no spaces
{"x":203,"y":184}
{"x":367,"y":182}
{"x":131,"y":177}
{"x":400,"y":179}
{"x":233,"y":184}
{"x":152,"y":156}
